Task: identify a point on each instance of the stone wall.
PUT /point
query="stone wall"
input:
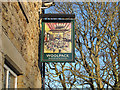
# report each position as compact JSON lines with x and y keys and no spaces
{"x":0,"y":45}
{"x":22,"y":30}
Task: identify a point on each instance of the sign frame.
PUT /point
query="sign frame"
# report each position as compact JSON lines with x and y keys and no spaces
{"x":71,"y":55}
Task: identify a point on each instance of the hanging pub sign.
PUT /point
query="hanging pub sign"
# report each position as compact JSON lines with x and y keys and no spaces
{"x":57,"y":41}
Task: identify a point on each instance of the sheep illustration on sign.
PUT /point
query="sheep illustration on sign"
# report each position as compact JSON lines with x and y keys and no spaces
{"x":57,"y":38}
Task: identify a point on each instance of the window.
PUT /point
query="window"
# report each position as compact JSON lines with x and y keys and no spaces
{"x":10,"y":78}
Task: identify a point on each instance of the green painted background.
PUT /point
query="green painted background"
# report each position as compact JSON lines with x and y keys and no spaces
{"x":71,"y":57}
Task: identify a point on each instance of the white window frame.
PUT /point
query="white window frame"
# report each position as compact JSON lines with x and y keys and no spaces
{"x":7,"y":76}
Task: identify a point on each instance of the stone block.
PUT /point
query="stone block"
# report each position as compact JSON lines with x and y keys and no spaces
{"x":13,"y":54}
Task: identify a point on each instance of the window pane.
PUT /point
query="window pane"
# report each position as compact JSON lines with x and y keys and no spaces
{"x":11,"y":81}
{"x":4,"y":78}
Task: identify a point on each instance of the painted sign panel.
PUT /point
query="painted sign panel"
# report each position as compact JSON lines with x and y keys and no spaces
{"x":57,"y":42}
